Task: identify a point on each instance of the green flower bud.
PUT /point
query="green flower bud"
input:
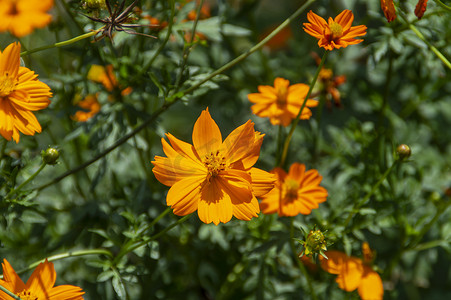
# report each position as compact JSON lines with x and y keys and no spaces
{"x":403,"y":151}
{"x":50,"y":156}
{"x":315,"y":243}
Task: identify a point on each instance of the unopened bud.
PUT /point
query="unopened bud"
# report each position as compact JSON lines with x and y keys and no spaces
{"x":315,"y":243}
{"x":50,"y":156}
{"x":403,"y":151}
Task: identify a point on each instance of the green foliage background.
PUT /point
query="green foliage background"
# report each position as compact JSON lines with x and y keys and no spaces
{"x":397,"y":91}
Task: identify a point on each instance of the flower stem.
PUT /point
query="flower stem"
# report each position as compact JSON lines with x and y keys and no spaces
{"x":6,"y":291}
{"x":358,"y":204}
{"x":66,"y":255}
{"x":443,"y":5}
{"x":17,"y":189}
{"x":300,"y":265}
{"x":296,"y":120}
{"x":61,"y":44}
{"x":433,"y":48}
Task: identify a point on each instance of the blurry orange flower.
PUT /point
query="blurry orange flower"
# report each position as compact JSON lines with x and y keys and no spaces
{"x":389,"y":9}
{"x":353,"y":273}
{"x":212,"y":176}
{"x":280,"y":40}
{"x":20,"y":17}
{"x":106,"y":77}
{"x":21,"y":93}
{"x":297,"y":192}
{"x":329,"y":84}
{"x":335,"y":33}
{"x":282,"y":102}
{"x":156,"y":23}
{"x":40,"y":285}
{"x":420,"y":8}
{"x":204,"y":12}
{"x":90,"y":107}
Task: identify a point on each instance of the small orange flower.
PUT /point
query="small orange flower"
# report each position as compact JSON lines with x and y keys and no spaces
{"x":21,"y":93}
{"x":282,"y":102}
{"x":90,"y":107}
{"x":40,"y":285}
{"x":204,"y":12}
{"x":212,"y":176}
{"x":297,"y":192}
{"x":106,"y":77}
{"x":335,"y":33}
{"x":329,"y":84}
{"x":353,"y":273}
{"x":21,"y":17}
{"x":389,"y":9}
{"x":420,"y":8}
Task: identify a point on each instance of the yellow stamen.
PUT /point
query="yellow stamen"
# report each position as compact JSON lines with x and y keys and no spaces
{"x":7,"y":85}
{"x":336,"y":30}
{"x":291,"y":187}
{"x":215,"y":163}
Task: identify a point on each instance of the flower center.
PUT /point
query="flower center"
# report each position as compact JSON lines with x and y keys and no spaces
{"x":282,"y":95}
{"x":13,"y":9}
{"x":215,"y":163}
{"x":26,"y":295}
{"x":336,"y":30}
{"x":7,"y":85}
{"x":291,"y":188}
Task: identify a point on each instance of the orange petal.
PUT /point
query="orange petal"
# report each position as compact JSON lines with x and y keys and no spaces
{"x":262,"y":182}
{"x":246,"y":210}
{"x":184,"y":195}
{"x":236,"y":145}
{"x":215,"y":205}
{"x":168,"y":171}
{"x":11,"y":280}
{"x":420,"y":8}
{"x":389,"y":9}
{"x":206,"y":135}
{"x":371,"y":287}
{"x":66,"y":292}
{"x":42,"y":279}
{"x":10,"y":60}
{"x":184,"y":149}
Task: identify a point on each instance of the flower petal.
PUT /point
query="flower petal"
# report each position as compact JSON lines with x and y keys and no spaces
{"x":42,"y":280}
{"x":206,"y":135}
{"x":11,"y":280}
{"x":184,"y":195}
{"x":236,"y":145}
{"x":371,"y":287}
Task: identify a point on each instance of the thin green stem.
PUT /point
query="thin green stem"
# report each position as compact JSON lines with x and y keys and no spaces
{"x":433,"y":48}
{"x":252,"y":50}
{"x":298,"y":261}
{"x":443,"y":5}
{"x":296,"y":120}
{"x":358,"y":204}
{"x":17,"y":189}
{"x":9,"y":293}
{"x":66,"y":255}
{"x":3,"y":148}
{"x":64,"y":43}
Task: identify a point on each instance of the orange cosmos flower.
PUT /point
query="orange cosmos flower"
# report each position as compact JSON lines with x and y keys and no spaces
{"x":282,"y":102}
{"x":420,"y":8}
{"x":106,"y":77}
{"x":297,"y":192}
{"x":335,"y":33}
{"x":20,"y":17}
{"x":20,"y":94}
{"x":389,"y":9}
{"x":90,"y":107}
{"x":40,"y":285}
{"x":212,"y":176}
{"x":353,"y":273}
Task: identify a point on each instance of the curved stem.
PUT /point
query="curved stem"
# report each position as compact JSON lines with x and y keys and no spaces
{"x":433,"y":48}
{"x":66,"y":255}
{"x":296,"y":120}
{"x":443,"y":5}
{"x":358,"y":204}
{"x":26,"y":181}
{"x":64,"y":43}
{"x":300,"y":265}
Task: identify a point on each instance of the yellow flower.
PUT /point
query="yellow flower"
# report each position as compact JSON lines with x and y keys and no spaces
{"x":282,"y":102}
{"x":40,"y":285}
{"x":90,"y":107}
{"x":20,"y":94}
{"x":212,"y":176}
{"x":297,"y":192}
{"x":335,"y":33}
{"x":353,"y":273}
{"x":21,"y":17}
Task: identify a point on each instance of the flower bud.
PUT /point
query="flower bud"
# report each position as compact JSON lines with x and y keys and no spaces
{"x":50,"y":156}
{"x":315,"y":243}
{"x":403,"y":151}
